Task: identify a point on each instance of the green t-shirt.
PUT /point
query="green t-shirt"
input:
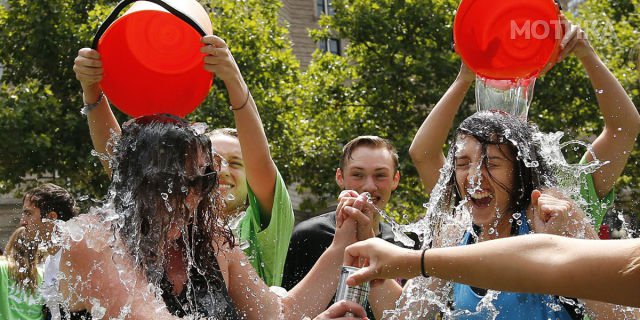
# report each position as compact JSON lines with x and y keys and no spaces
{"x":267,"y":249}
{"x":16,"y":303}
{"x":597,"y":208}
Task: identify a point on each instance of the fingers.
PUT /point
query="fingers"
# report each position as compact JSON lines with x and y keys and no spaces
{"x":214,"y":48}
{"x":355,"y":252}
{"x":340,"y":308}
{"x":214,"y":41}
{"x":535,"y":195}
{"x":340,"y":216}
{"x":88,"y":66}
{"x":89,"y":53}
{"x":347,"y":193}
{"x":364,"y":229}
{"x":364,"y":274}
{"x":346,"y":197}
{"x":570,"y":34}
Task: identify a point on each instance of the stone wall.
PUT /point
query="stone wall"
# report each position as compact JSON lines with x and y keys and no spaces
{"x":299,"y":16}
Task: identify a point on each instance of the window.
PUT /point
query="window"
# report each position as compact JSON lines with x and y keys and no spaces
{"x":330,"y":45}
{"x":324,"y":7}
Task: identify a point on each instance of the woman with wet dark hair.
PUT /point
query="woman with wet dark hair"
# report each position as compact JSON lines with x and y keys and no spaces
{"x":497,"y":176}
{"x":161,"y":248}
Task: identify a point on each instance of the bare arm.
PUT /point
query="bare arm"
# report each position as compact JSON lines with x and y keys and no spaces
{"x":308,"y":298}
{"x":426,"y":148}
{"x":621,"y":118}
{"x":102,"y":122}
{"x":260,"y":168}
{"x":535,"y":263}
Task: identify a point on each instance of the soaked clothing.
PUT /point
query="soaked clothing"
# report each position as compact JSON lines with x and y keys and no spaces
{"x":596,"y":207}
{"x":208,"y":297}
{"x":309,"y":241}
{"x":16,"y":303}
{"x":510,"y":305}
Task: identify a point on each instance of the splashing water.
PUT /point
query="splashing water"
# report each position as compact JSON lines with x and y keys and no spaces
{"x":395,"y":228}
{"x":428,"y":298}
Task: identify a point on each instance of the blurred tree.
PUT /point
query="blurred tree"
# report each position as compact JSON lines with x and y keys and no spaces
{"x":45,"y":136}
{"x":565,"y":100}
{"x":400,"y":61}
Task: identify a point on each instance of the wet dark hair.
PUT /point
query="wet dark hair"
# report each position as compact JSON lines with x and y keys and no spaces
{"x":155,"y":168}
{"x":49,"y":197}
{"x":503,"y":129}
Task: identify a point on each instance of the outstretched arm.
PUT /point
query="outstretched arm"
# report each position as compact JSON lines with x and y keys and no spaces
{"x":261,"y":171}
{"x":102,"y":122}
{"x":308,"y":298}
{"x":426,"y":148}
{"x":534,"y":263}
{"x":621,"y":118}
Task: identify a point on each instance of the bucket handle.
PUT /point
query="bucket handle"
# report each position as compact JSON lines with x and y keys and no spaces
{"x":114,"y":15}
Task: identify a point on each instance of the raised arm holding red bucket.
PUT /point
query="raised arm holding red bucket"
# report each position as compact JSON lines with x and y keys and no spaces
{"x":618,"y":111}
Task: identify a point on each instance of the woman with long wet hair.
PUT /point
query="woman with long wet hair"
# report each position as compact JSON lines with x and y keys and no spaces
{"x":19,"y":279}
{"x":161,"y":247}
{"x":497,"y":182}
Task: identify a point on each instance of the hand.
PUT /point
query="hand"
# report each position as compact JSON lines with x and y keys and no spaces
{"x":359,"y":209}
{"x":554,"y":214}
{"x":466,"y":74}
{"x":88,"y":68}
{"x":346,"y":196}
{"x":338,"y":311}
{"x":345,"y":234}
{"x":219,"y":60}
{"x":386,"y":261}
{"x":574,"y":41}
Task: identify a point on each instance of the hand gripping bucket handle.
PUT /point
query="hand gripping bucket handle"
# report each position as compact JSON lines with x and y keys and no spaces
{"x":116,"y":11}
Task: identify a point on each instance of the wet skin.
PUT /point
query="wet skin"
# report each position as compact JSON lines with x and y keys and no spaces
{"x":232,"y":175}
{"x":482,"y":185}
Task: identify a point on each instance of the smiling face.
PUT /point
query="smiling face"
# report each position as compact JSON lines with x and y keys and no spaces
{"x":232,"y":177}
{"x":370,"y":170}
{"x":485,"y":181}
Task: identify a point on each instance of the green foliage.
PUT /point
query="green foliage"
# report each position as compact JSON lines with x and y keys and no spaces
{"x":398,"y":63}
{"x":44,"y":134}
{"x":566,"y":101}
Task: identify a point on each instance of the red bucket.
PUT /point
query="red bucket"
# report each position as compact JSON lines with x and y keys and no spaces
{"x":507,"y":39}
{"x":151,"y":57}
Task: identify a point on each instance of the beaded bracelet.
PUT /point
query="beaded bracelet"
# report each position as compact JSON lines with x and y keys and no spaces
{"x":90,"y":106}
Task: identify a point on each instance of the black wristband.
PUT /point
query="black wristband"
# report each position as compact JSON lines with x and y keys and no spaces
{"x":424,"y":274}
